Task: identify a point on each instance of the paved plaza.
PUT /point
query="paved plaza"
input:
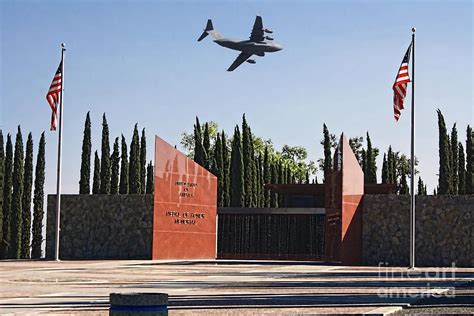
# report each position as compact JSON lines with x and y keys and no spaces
{"x":223,"y":287}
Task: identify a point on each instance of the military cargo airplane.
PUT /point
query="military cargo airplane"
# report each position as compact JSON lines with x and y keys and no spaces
{"x":258,"y":44}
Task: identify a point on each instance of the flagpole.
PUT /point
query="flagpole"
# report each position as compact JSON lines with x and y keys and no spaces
{"x":412,"y":180}
{"x":60,"y":140}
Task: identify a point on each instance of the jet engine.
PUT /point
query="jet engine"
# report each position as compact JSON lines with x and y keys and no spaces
{"x":251,"y":61}
{"x":269,"y":38}
{"x":268,"y":31}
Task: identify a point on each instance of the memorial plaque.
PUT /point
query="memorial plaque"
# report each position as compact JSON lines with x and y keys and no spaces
{"x":185,"y":206}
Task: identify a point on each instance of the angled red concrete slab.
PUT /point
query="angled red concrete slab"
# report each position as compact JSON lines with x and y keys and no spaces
{"x":185,"y":206}
{"x":344,"y":193}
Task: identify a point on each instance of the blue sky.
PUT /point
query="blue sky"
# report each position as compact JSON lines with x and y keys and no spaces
{"x":139,"y":61}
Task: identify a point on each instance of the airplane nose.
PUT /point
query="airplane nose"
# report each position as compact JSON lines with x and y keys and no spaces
{"x":278,"y":47}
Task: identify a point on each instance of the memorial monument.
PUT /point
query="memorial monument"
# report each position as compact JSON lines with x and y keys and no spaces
{"x":344,"y":192}
{"x":185,"y":206}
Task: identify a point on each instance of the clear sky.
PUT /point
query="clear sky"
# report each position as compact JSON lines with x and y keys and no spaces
{"x":139,"y":61}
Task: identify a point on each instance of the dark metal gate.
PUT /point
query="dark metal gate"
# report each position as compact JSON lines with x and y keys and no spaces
{"x":270,"y":233}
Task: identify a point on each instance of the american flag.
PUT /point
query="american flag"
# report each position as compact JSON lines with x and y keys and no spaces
{"x":400,"y":85}
{"x":54,"y":94}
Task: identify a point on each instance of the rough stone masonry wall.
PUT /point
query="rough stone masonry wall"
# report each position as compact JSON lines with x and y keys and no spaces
{"x":101,"y":226}
{"x":444,"y":230}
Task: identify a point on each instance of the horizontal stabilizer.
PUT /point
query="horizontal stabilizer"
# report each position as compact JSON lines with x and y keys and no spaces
{"x":203,"y":36}
{"x":208,"y":28}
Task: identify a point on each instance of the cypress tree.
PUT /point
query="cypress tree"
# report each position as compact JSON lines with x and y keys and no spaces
{"x":2,"y":175}
{"x":266,"y":176}
{"x":390,"y":166}
{"x":444,"y":181}
{"x":38,"y":200}
{"x":469,"y":161}
{"x":143,"y":166}
{"x":200,"y":155}
{"x":247,"y":159}
{"x":385,"y":169}
{"x":225,"y":171}
{"x":134,"y":167}
{"x":255,"y":181}
{"x":368,"y":159}
{"x":327,"y":152}
{"x":17,"y":194}
{"x":124,"y":168}
{"x":461,"y":170}
{"x":403,"y":184}
{"x":253,"y":173}
{"x":115,"y":160}
{"x":237,"y":171}
{"x":274,"y":179}
{"x":257,"y":177}
{"x":261,"y":191}
{"x":105,"y":159}
{"x":450,"y":164}
{"x":281,"y":179}
{"x":370,"y":173}
{"x":421,"y":187}
{"x":7,"y":198}
{"x":454,"y":159}
{"x":363,"y":158}
{"x":85,"y":180}
{"x":96,"y":178}
{"x":206,"y":143}
{"x":288,"y":175}
{"x":395,"y":174}
{"x":217,"y":170}
{"x":149,"y":179}
{"x":26,"y":200}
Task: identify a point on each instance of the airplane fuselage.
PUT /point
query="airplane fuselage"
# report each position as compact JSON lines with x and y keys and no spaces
{"x":251,"y":47}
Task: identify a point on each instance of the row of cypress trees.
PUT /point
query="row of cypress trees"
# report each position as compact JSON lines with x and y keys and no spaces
{"x":395,"y":168}
{"x":365,"y":156}
{"x":242,"y":171}
{"x":456,"y":164}
{"x":242,"y":167}
{"x":116,"y":172}
{"x":456,"y":174}
{"x":20,"y":236}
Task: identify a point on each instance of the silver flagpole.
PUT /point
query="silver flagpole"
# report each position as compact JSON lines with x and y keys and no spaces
{"x":412,"y":180}
{"x":60,"y":140}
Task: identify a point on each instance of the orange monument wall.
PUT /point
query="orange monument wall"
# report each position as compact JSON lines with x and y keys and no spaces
{"x":185,"y":206}
{"x":344,"y":193}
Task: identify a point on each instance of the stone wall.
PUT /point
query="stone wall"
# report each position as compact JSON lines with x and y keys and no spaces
{"x":101,"y":226}
{"x":444,"y":230}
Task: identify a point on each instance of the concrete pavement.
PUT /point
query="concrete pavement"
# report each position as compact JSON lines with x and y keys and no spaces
{"x":219,"y":287}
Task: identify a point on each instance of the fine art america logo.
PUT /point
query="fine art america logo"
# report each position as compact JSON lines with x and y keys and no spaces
{"x":418,"y":281}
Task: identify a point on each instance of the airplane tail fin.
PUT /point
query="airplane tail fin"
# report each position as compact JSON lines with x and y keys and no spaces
{"x":209,"y":30}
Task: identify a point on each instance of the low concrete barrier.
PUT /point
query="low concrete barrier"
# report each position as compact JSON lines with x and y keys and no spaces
{"x":124,"y":304}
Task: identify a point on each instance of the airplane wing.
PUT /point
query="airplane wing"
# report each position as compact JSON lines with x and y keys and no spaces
{"x":257,"y":34}
{"x":239,"y":60}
